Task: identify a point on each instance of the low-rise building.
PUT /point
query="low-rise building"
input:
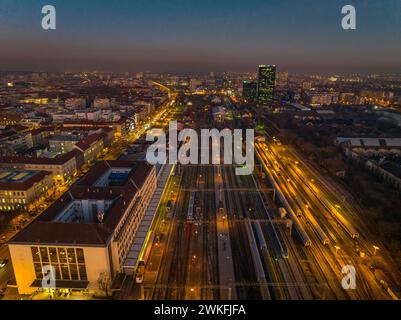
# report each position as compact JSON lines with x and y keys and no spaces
{"x":91,"y":146}
{"x":88,"y":114}
{"x":11,"y":144}
{"x":370,"y":147}
{"x":75,"y":102}
{"x":62,"y":167}
{"x":63,"y":143}
{"x":99,"y":103}
{"x":322,"y":99}
{"x":87,"y":233}
{"x":20,"y":188}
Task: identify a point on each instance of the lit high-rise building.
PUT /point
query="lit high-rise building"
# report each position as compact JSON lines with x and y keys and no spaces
{"x":250,"y":91}
{"x":266,"y":84}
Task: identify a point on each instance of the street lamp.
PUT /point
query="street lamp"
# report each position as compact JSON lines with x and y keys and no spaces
{"x":376,"y":248}
{"x":337,"y":248}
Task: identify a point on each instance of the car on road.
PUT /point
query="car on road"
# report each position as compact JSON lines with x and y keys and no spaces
{"x":3,"y":263}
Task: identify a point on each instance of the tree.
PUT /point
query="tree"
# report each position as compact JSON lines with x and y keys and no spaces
{"x":104,"y":283}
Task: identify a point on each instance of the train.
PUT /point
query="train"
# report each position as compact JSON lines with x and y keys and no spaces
{"x":262,"y":242}
{"x":345,"y":225}
{"x":260,"y":273}
{"x":324,"y":239}
{"x":190,"y":214}
{"x":297,"y":225}
{"x":334,"y":212}
{"x":318,"y":230}
{"x":300,"y":230}
{"x":140,"y":270}
{"x":281,"y":243}
{"x":257,"y":262}
{"x":260,"y":237}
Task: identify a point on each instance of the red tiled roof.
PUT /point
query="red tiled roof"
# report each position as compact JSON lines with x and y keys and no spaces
{"x":84,"y":128}
{"x":42,"y":129}
{"x":43,"y":232}
{"x":89,"y":141}
{"x":41,"y":161}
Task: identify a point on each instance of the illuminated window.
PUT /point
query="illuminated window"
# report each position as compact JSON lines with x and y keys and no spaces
{"x":44,"y":255}
{"x":71,"y":256}
{"x":53,"y":255}
{"x":62,"y":255}
{"x":67,"y":262}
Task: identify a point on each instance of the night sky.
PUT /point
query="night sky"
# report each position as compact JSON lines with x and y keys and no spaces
{"x":207,"y":35}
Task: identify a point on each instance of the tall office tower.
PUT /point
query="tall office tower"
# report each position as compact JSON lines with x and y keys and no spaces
{"x":250,"y":91}
{"x":266,"y":84}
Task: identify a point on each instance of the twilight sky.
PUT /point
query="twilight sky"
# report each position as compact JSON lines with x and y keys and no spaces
{"x":201,"y":35}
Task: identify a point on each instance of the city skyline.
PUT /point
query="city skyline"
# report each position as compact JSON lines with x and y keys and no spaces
{"x":206,"y":154}
{"x":185,"y":36}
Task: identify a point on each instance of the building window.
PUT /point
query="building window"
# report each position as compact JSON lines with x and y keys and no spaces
{"x":43,"y":254}
{"x":82,"y":272}
{"x":35,"y":254}
{"x":80,"y":256}
{"x":62,"y":255}
{"x":71,"y":256}
{"x":69,"y":263}
{"x":38,"y":270}
{"x":64,"y":272}
{"x":53,"y":255}
{"x":74,"y":272}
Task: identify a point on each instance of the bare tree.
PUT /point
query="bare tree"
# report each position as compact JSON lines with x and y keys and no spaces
{"x":104,"y":283}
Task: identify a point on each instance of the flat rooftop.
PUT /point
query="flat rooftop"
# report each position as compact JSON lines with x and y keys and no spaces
{"x":65,"y":138}
{"x":20,"y":179}
{"x":16,"y":175}
{"x":372,"y":142}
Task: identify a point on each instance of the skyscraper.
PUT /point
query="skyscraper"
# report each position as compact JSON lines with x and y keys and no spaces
{"x":266,"y":84}
{"x":250,"y":91}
